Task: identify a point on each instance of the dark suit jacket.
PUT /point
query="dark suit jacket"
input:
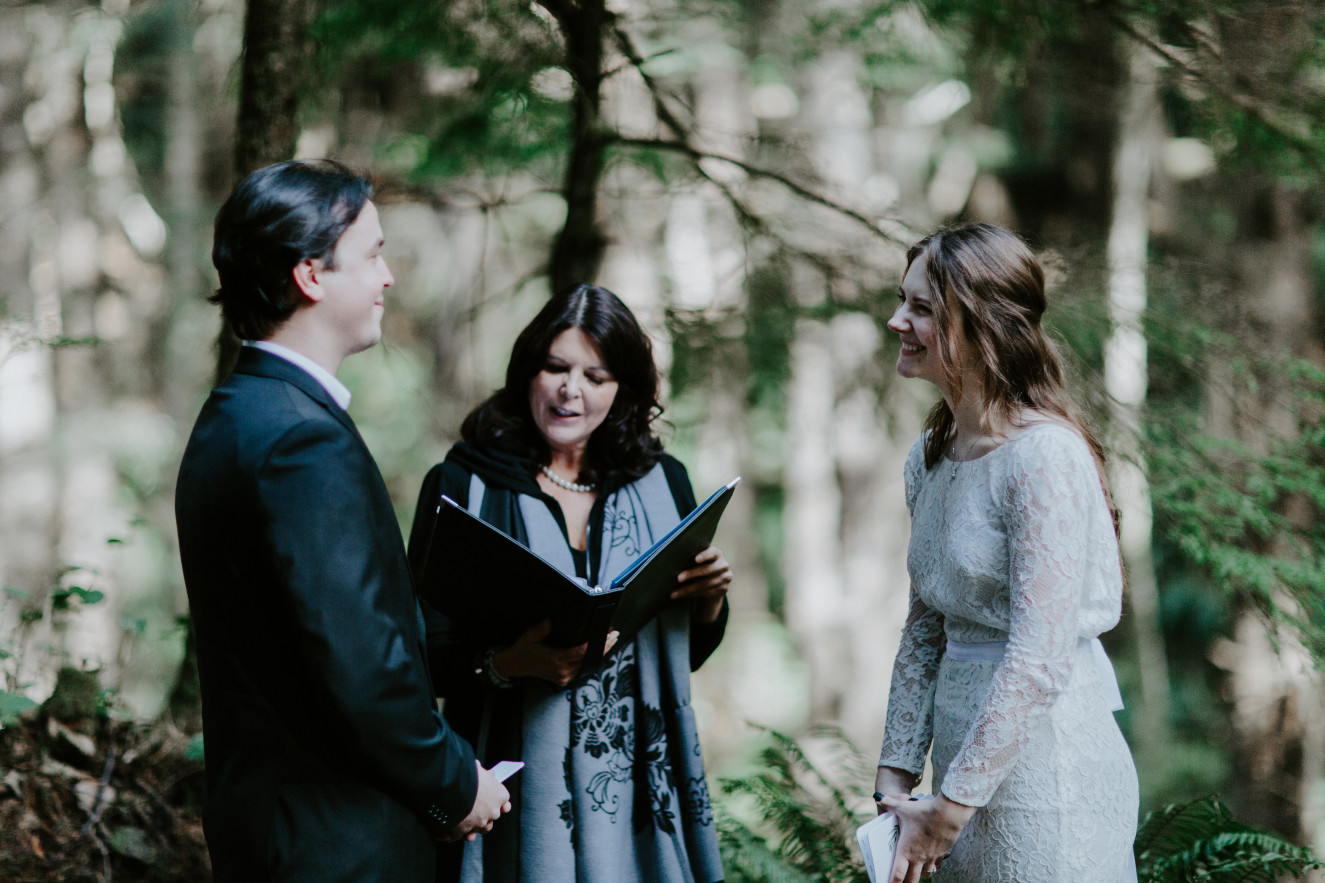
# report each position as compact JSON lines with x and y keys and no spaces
{"x":326,"y":758}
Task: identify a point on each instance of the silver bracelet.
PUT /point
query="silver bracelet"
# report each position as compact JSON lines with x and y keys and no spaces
{"x":484,"y":670}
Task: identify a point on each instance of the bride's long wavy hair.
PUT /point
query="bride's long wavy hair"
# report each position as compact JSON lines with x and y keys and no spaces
{"x":988,"y":279}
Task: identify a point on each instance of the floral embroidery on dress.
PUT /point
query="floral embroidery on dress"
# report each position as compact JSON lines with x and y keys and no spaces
{"x":660,"y":772}
{"x":601,"y":727}
{"x":601,"y":712}
{"x":698,"y":805}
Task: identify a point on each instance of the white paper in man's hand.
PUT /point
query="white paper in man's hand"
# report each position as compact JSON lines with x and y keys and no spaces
{"x":504,"y":769}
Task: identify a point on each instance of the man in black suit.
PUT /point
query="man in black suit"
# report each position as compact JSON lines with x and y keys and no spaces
{"x":326,"y":757}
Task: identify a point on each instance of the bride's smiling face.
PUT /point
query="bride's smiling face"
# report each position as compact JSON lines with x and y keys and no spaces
{"x":570,"y":396}
{"x":914,"y":323}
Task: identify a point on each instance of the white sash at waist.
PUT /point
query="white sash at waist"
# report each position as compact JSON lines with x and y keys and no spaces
{"x":992,"y":651}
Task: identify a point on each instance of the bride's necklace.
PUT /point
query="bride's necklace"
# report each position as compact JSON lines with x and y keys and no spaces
{"x":953,"y":457}
{"x":566,"y":482}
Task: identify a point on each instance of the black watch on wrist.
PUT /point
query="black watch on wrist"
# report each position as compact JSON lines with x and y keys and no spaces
{"x":484,"y":670}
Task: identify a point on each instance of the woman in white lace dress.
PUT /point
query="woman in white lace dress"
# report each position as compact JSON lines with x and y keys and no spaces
{"x":1014,"y":574}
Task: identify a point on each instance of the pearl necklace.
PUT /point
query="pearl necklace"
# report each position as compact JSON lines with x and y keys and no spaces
{"x":566,"y":483}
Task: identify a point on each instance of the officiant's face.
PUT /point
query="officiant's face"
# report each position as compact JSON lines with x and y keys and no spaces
{"x":570,"y":397}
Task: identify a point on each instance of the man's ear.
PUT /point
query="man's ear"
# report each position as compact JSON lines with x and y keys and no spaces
{"x":307,"y":278}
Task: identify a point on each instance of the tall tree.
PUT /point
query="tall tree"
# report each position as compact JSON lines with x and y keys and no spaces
{"x":278,"y":47}
{"x":1140,"y":131}
{"x":578,"y":249}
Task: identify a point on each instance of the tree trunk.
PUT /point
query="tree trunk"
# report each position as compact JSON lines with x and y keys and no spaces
{"x":277,"y":49}
{"x":817,"y":608}
{"x":1278,"y":721}
{"x":1125,"y":380}
{"x":1279,"y":730}
{"x":578,"y":250}
{"x":176,"y":387}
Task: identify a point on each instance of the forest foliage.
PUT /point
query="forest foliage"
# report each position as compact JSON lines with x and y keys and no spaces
{"x":473,"y":108}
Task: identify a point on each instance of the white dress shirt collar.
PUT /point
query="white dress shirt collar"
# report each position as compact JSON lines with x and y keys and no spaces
{"x":337,"y":390}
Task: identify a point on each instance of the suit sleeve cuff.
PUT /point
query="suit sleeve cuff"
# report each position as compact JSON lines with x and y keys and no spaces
{"x":455,"y":798}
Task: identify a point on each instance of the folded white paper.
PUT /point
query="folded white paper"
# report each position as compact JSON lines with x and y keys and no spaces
{"x":504,"y":769}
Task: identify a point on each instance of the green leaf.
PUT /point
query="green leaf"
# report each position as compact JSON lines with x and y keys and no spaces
{"x":133,"y":843}
{"x":1202,"y":840}
{"x":11,"y":706}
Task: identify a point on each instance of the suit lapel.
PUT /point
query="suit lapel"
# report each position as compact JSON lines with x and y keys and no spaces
{"x":261,"y":363}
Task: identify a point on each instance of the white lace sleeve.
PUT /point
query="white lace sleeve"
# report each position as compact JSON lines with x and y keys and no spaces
{"x":1049,"y":482}
{"x":909,"y":725}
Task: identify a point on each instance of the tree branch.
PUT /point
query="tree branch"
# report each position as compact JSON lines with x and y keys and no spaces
{"x":682,"y":145}
{"x":660,"y":107}
{"x":1309,"y":150}
{"x":562,"y":10}
{"x":757,"y":171}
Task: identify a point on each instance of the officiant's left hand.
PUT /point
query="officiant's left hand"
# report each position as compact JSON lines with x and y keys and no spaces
{"x":706,"y":583}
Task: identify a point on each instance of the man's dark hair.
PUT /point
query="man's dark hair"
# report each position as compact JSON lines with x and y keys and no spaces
{"x":278,"y":216}
{"x":623,"y":447}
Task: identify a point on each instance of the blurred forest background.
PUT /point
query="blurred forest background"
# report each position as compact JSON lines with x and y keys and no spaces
{"x":745,"y":174}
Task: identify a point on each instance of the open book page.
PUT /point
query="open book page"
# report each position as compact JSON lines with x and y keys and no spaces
{"x":649,"y":582}
{"x":497,"y":587}
{"x":479,"y":576}
{"x":878,"y":843}
{"x":716,"y":499}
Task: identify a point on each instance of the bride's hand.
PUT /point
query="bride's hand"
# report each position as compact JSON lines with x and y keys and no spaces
{"x":892,"y":782}
{"x":929,"y":828}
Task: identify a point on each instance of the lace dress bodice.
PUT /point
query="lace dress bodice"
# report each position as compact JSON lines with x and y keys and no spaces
{"x":1017,"y":546}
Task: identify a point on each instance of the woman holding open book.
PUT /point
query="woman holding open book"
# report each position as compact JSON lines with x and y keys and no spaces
{"x":1015,"y":573}
{"x":564,"y":460}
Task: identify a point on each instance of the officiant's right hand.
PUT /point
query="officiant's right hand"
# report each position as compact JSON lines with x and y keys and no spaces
{"x":530,"y":656}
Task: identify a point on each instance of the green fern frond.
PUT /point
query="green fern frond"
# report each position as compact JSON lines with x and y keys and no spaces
{"x":807,"y":810}
{"x":1176,"y":826}
{"x":1202,"y":841}
{"x":747,"y":857}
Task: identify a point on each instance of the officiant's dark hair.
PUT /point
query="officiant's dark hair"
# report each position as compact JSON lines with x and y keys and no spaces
{"x":623,"y":447}
{"x":278,"y":216}
{"x":990,"y":281}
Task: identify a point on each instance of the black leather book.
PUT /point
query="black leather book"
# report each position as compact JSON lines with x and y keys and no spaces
{"x":479,"y":576}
